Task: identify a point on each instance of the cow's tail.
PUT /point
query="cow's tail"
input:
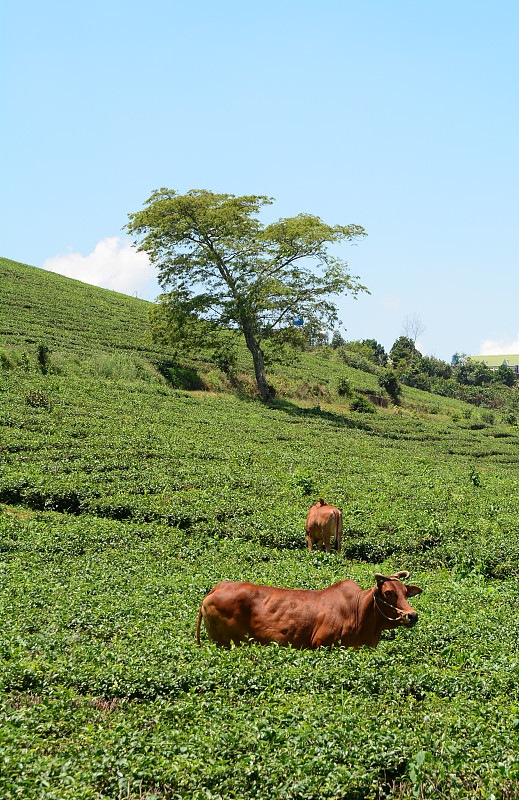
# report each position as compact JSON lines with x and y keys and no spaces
{"x":198,"y":627}
{"x":338,"y":530}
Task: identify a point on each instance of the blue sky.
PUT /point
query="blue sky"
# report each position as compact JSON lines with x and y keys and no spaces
{"x":401,"y":117}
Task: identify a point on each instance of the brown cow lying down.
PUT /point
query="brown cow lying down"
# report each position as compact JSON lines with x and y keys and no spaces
{"x":340,"y":615}
{"x":324,"y":523}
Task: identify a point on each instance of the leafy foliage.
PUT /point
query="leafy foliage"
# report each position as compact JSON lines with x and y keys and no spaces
{"x":344,"y":387}
{"x":37,"y":399}
{"x":472,"y":373}
{"x":337,"y":340}
{"x":362,"y":405}
{"x":222,"y":266}
{"x":389,"y":381}
{"x":467,"y":380}
{"x":402,"y":353}
{"x":358,"y":360}
{"x":43,"y":358}
{"x":370,"y":349}
{"x":504,"y":375}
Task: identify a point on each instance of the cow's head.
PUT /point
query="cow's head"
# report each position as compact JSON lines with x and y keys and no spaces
{"x":391,"y":595}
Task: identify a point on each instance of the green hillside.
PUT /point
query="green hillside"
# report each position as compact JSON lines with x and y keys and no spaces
{"x":77,"y":321}
{"x":124,"y":500}
{"x":67,"y":315}
{"x":83,"y":324}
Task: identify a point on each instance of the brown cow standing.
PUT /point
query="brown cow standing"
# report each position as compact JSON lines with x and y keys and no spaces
{"x":323,"y":523}
{"x":340,"y":615}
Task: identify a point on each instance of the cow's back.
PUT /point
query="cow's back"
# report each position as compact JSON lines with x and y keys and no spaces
{"x":240,"y":612}
{"x":303,"y":618}
{"x":323,"y":524}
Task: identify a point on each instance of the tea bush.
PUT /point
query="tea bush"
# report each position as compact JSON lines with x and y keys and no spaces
{"x":7,"y":359}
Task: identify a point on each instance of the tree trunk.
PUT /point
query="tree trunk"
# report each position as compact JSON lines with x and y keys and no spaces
{"x":266,"y":391}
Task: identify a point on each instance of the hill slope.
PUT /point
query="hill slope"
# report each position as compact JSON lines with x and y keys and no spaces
{"x":76,"y":320}
{"x":66,"y":314}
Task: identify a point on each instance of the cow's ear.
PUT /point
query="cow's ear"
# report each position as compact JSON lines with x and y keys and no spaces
{"x":411,"y":590}
{"x":380,"y":578}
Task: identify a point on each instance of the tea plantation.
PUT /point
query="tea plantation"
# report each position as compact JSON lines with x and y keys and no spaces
{"x":124,"y":500}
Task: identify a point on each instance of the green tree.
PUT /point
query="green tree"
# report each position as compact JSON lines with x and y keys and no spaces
{"x":435,"y":367}
{"x":504,"y":375}
{"x":473,"y":373}
{"x":337,"y":340}
{"x":402,"y":353}
{"x":423,"y":369}
{"x":370,"y":349}
{"x":224,"y":267}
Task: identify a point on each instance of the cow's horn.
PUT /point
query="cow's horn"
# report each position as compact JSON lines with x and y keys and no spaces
{"x":402,"y":574}
{"x":380,"y":578}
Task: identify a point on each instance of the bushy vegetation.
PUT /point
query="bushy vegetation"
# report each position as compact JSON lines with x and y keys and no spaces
{"x":358,"y":360}
{"x":124,"y":500}
{"x":468,"y":380}
{"x":464,"y":379}
{"x":370,"y":349}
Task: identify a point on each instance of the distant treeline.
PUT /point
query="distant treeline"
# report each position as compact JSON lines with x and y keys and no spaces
{"x":464,"y":379}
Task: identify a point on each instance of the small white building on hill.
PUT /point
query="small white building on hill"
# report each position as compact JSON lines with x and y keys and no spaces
{"x":494,"y":362}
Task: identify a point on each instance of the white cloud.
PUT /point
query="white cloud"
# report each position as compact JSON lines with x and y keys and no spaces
{"x":498,"y":347}
{"x":113,"y":264}
{"x":392,"y":303}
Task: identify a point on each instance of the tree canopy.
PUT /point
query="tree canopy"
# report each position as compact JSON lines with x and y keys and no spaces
{"x":219,"y":264}
{"x":505,"y":375}
{"x":370,"y":349}
{"x":402,"y":353}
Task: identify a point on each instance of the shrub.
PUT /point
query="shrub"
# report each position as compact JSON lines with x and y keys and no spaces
{"x":475,"y":477}
{"x":6,"y":360}
{"x":180,"y":377}
{"x":416,"y":378}
{"x":303,"y":481}
{"x":370,"y":349}
{"x":363,"y":406}
{"x":504,"y":375}
{"x":446,"y":387}
{"x":389,"y":381}
{"x":115,"y":366}
{"x":472,"y":373}
{"x":247,"y":386}
{"x":312,"y":389}
{"x":43,"y":358}
{"x":344,"y":388}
